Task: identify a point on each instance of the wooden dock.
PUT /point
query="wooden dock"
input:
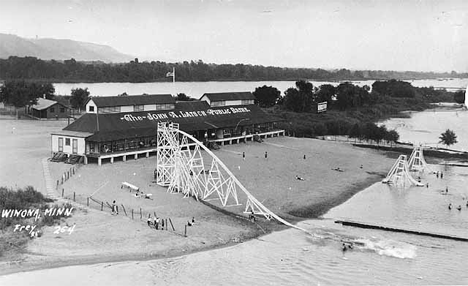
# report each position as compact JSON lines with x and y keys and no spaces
{"x":396,"y":229}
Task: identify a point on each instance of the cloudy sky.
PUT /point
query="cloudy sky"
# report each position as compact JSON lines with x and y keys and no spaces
{"x":430,"y":35}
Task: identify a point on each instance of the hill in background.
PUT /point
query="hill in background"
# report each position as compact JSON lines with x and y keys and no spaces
{"x":58,"y":49}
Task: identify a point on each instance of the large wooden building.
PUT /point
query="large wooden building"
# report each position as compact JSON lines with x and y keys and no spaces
{"x":123,"y":126}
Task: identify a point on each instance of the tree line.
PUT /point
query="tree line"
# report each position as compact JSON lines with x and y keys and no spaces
{"x":31,"y":68}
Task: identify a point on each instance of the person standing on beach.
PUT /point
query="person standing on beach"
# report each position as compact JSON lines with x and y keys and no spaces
{"x":441,"y":175}
{"x":266,"y":155}
{"x":243,"y":156}
{"x":114,"y":209}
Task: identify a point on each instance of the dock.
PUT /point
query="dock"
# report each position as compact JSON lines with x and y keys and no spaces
{"x":396,"y":229}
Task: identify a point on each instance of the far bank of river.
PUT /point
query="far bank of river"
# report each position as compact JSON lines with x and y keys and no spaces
{"x":197,"y":89}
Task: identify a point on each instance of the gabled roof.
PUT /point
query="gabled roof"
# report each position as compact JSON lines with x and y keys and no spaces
{"x":43,"y":103}
{"x":191,"y":105}
{"x":106,"y":101}
{"x":191,"y":116}
{"x":221,"y":96}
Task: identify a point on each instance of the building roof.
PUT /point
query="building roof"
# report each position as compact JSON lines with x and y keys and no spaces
{"x":221,"y":96}
{"x":43,"y":103}
{"x":72,"y":133}
{"x":106,"y":101}
{"x":191,"y":116}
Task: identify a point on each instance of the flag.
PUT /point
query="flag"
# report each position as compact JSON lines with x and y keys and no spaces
{"x":170,"y":74}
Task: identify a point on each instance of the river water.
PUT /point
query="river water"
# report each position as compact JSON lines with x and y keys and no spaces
{"x":197,"y":89}
{"x":292,"y":257}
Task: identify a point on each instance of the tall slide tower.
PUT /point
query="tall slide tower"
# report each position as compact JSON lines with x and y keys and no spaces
{"x":181,"y":167}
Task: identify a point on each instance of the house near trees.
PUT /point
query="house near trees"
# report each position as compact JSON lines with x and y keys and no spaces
{"x":48,"y":109}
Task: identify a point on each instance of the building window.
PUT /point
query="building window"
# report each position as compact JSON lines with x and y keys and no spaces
{"x":138,"y":107}
{"x":62,"y":110}
{"x":165,"y":106}
{"x":91,"y":108}
{"x":218,"y":103}
{"x":67,"y":141}
{"x":111,"y":109}
{"x":52,"y":109}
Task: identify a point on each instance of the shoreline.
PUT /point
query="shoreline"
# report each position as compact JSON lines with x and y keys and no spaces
{"x":273,"y":226}
{"x":271,"y":181}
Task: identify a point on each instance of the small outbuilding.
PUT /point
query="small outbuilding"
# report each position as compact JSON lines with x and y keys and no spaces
{"x":48,"y":109}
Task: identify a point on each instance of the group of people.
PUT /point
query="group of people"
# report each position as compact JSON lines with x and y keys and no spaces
{"x":459,"y":206}
{"x":140,"y":194}
{"x":156,"y":222}
{"x":190,"y":223}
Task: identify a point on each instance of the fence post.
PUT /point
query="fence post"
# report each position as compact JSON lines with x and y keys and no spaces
{"x":87,"y":201}
{"x":140,"y":214}
{"x":62,"y":192}
{"x":185,"y":234}
{"x":170,"y":220}
{"x":58,"y":181}
{"x":102,"y":205}
{"x":132,"y":213}
{"x":167,"y":225}
{"x":124,"y":210}
{"x":74,"y":197}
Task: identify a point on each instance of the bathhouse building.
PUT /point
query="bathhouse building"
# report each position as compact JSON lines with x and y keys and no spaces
{"x":122,"y":127}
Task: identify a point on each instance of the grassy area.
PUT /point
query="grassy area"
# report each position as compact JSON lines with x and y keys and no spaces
{"x":13,"y":241}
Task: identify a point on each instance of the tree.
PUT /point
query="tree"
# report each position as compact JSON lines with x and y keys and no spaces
{"x":326,"y":93}
{"x":183,"y":97}
{"x":459,"y":97}
{"x":18,"y":93}
{"x":392,"y":136}
{"x":46,"y":90}
{"x":448,"y":138}
{"x":79,"y":96}
{"x":355,"y":131}
{"x":299,"y":99}
{"x":266,"y":96}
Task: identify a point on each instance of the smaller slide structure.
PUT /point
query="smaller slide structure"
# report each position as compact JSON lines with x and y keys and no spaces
{"x":417,"y":163}
{"x":399,"y":174}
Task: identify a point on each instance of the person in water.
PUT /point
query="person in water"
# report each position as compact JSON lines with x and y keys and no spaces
{"x":459,"y":207}
{"x":450,"y":206}
{"x":344,"y":248}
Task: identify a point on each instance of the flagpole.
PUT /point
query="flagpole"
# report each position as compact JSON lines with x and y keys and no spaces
{"x":173,"y":81}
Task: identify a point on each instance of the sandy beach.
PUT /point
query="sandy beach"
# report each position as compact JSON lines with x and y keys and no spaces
{"x":100,"y":236}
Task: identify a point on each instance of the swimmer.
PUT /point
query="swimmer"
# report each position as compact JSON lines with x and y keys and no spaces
{"x":459,"y":207}
{"x":299,"y":178}
{"x":450,"y":206}
{"x":344,"y":248}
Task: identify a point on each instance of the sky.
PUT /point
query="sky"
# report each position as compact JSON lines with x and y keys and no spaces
{"x":429,"y":35}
